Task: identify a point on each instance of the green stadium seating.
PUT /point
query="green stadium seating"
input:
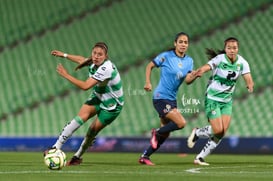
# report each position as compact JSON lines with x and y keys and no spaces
{"x":135,"y":31}
{"x":27,"y":18}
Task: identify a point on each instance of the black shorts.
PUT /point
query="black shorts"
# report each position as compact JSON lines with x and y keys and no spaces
{"x":164,"y":106}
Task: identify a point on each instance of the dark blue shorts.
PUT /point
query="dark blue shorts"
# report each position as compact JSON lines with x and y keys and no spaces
{"x":163,"y":106}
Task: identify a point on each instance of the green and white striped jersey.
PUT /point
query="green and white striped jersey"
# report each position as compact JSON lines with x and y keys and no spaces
{"x":109,"y":89}
{"x":224,"y":75}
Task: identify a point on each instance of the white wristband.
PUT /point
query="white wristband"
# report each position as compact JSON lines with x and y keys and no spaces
{"x":65,"y":55}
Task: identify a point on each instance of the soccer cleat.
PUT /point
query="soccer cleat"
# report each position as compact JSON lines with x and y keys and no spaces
{"x":200,"y":161}
{"x":154,"y":141}
{"x":145,"y":161}
{"x":192,"y":138}
{"x":74,"y":161}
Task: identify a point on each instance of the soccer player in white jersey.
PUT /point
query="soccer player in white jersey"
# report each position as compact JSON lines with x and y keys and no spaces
{"x":176,"y":66}
{"x":106,"y":100}
{"x":226,"y":66}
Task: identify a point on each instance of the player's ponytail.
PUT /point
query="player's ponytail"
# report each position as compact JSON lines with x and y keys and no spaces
{"x":87,"y":62}
{"x":211,"y":53}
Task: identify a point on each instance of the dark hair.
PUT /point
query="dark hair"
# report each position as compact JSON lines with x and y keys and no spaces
{"x":232,"y":39}
{"x":211,"y":53}
{"x":101,"y":45}
{"x":179,"y":34}
{"x":88,"y":61}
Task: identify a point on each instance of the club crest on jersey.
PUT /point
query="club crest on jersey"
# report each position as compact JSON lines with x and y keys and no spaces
{"x":238,"y":67}
{"x":214,"y":65}
{"x":162,"y":59}
{"x":213,"y":112}
{"x":167,"y":109}
{"x":180,"y":65}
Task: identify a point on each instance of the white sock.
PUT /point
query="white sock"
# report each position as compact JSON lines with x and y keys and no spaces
{"x":208,"y":148}
{"x":68,"y":130}
{"x":204,"y":132}
{"x":86,"y":143}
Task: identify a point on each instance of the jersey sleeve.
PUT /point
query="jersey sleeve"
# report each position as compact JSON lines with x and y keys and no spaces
{"x":214,"y":62}
{"x":246,"y":68}
{"x":191,"y":65}
{"x":103,"y":72}
{"x":159,"y":59}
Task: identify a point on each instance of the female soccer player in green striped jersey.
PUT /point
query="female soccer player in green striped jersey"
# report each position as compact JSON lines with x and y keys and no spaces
{"x":226,"y":66}
{"x":106,"y":100}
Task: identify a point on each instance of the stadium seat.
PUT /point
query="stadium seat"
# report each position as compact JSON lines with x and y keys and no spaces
{"x":133,"y":39}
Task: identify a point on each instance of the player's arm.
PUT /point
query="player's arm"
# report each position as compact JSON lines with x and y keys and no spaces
{"x":249,"y":82}
{"x":205,"y":68}
{"x":192,"y":76}
{"x":148,"y":85}
{"x":74,"y":58}
{"x":84,"y":85}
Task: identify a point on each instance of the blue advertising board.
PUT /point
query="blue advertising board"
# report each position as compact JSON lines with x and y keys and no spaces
{"x":229,"y":145}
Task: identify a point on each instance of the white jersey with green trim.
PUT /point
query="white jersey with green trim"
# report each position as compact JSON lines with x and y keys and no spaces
{"x":109,"y":89}
{"x":224,"y":75}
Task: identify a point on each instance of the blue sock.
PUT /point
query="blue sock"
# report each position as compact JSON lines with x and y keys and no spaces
{"x":171,"y":126}
{"x":150,"y":150}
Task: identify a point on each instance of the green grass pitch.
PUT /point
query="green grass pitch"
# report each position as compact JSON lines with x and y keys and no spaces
{"x":25,"y":166}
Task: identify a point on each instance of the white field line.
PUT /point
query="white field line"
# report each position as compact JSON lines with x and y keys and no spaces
{"x":217,"y":170}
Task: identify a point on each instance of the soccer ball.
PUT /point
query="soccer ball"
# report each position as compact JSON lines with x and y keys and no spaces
{"x":55,"y":159}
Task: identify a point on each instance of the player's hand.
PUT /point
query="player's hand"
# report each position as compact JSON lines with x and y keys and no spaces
{"x":57,"y":53}
{"x":250,"y":89}
{"x":198,"y":73}
{"x":61,"y":70}
{"x":148,"y":86}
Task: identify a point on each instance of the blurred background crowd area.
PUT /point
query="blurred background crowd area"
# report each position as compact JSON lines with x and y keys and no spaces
{"x":37,"y":102}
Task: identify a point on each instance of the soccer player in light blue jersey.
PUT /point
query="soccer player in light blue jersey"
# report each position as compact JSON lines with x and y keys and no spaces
{"x":226,"y":66}
{"x":105,"y":102}
{"x":176,"y":66}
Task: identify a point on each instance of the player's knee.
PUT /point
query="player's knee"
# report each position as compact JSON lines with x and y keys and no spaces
{"x":218,"y":131}
{"x":181,"y":124}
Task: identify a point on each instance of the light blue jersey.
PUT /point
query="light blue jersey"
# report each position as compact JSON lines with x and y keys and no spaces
{"x":173,"y":72}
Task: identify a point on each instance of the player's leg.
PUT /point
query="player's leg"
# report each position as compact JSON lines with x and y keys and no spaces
{"x":88,"y":141}
{"x":219,"y":126}
{"x":176,"y":122}
{"x":145,"y":157}
{"x":204,"y":132}
{"x":171,"y":120}
{"x":85,"y":112}
{"x":167,"y":110}
{"x":210,"y":145}
{"x":219,"y":115}
{"x":213,"y":112}
{"x":168,"y":124}
{"x":103,"y":119}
